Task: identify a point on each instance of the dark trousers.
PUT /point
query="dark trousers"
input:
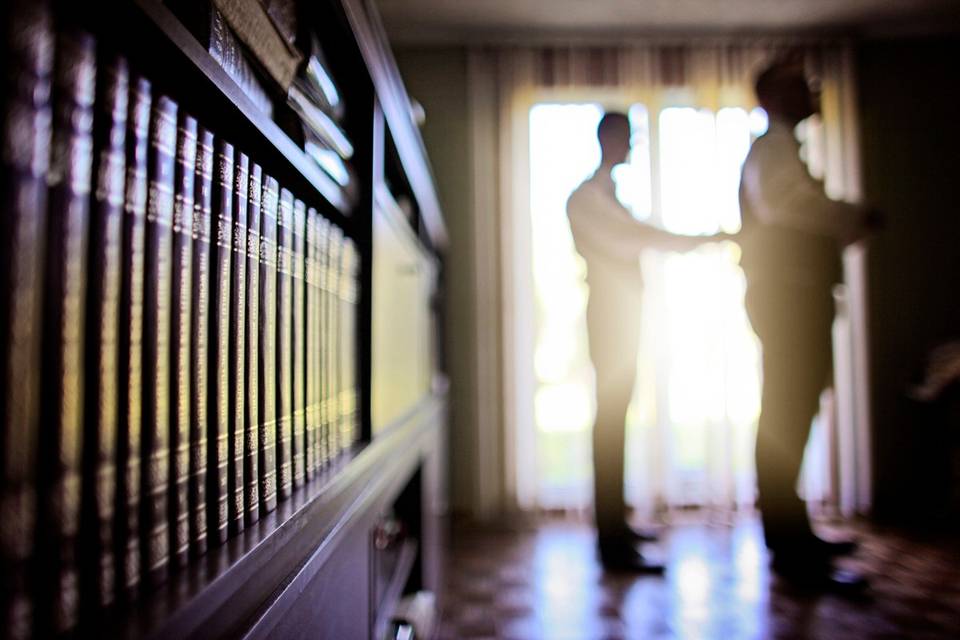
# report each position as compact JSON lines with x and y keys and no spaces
{"x":613,"y":324}
{"x":794,"y":327}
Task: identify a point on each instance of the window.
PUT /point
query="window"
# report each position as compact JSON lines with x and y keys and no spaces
{"x":691,"y":424}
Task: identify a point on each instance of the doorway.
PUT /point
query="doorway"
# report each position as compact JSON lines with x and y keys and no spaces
{"x":692,"y":421}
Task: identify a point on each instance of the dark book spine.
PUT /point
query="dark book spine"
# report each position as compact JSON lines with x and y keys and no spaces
{"x":323,"y":300}
{"x":199,"y":352}
{"x":298,"y":376}
{"x":267,"y":346}
{"x":28,"y":48}
{"x":310,"y":303}
{"x":251,"y":422}
{"x":226,"y":50}
{"x":333,"y":338}
{"x":219,"y":346}
{"x":157,"y":276}
{"x":285,"y":345}
{"x":103,"y":326}
{"x":127,"y":520}
{"x":237,"y":343}
{"x":62,"y":357}
{"x":181,"y":294}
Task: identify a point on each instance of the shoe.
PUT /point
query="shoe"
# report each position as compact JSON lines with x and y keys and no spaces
{"x":629,"y":535}
{"x":624,"y":558}
{"x":816,"y":547}
{"x":835,"y":548}
{"x":820,"y":577}
{"x":641,"y":535}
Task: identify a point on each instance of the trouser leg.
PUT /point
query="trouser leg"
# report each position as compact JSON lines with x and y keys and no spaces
{"x":795,"y":333}
{"x":614,"y":340}
{"x":609,"y":435}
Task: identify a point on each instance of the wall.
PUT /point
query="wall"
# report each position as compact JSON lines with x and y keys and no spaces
{"x":911,"y":154}
{"x":437,"y":78}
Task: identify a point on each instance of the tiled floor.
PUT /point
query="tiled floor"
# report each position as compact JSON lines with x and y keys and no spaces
{"x":544,"y":582}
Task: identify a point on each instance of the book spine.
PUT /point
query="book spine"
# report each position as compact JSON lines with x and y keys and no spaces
{"x":62,"y":355}
{"x":354,"y":342}
{"x":182,"y":291}
{"x":103,"y":325}
{"x":298,"y":375}
{"x":199,"y":352}
{"x":337,"y":445}
{"x":219,"y":347}
{"x":251,"y":423}
{"x":285,"y":345}
{"x":237,"y":344}
{"x":130,"y":410}
{"x":253,"y":28}
{"x":224,"y":48}
{"x":267,"y":346}
{"x":323,"y":239}
{"x":26,"y":115}
{"x":310,"y":348}
{"x":318,"y":124}
{"x":343,"y":346}
{"x":348,"y":342}
{"x":157,"y":276}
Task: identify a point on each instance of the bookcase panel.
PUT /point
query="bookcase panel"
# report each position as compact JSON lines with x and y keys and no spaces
{"x":186,"y":315}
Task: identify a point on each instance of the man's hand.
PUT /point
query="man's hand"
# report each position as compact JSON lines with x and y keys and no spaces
{"x":684,"y":244}
{"x":725,"y":237}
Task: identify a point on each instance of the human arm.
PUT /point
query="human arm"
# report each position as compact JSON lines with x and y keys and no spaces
{"x":784,"y":193}
{"x":601,"y":224}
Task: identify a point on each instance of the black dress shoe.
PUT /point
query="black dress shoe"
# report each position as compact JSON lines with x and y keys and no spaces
{"x":629,"y":535}
{"x":624,"y":558}
{"x":642,"y":535}
{"x":816,"y":547}
{"x":820,"y":577}
{"x":835,"y":548}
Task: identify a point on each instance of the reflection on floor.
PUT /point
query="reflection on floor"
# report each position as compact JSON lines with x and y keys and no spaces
{"x":544,"y":582}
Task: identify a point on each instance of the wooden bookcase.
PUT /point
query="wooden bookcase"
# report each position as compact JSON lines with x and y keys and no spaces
{"x":319,"y":565}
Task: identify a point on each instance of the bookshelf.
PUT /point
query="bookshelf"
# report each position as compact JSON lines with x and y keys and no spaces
{"x":316,"y":564}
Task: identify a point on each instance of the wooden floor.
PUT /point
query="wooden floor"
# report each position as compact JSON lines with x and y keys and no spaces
{"x":543,"y":581}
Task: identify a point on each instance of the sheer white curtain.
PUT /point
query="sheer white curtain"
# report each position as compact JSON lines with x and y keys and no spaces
{"x":714,"y":81}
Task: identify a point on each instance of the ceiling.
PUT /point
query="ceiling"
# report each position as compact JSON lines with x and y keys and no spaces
{"x":415,"y":21}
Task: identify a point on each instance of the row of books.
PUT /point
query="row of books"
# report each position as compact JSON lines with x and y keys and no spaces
{"x":177,"y":333}
{"x":265,"y":32}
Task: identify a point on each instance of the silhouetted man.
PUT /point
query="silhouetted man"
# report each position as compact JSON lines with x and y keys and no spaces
{"x":610,"y":240}
{"x":791,"y":240}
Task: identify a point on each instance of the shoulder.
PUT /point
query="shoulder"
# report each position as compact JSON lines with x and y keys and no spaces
{"x":580,"y":197}
{"x":771,"y":150}
{"x":777,"y":138}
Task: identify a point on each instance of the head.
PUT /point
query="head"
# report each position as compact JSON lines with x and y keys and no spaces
{"x":613,"y":132}
{"x":782,"y":90}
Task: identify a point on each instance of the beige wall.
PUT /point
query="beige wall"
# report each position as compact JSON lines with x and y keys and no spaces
{"x":436,"y":77}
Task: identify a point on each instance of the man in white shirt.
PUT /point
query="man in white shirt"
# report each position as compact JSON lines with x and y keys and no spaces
{"x":791,"y":241}
{"x":610,"y":240}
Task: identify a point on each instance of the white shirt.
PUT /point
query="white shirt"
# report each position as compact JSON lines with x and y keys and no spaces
{"x":609,"y":238}
{"x":777,"y":189}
